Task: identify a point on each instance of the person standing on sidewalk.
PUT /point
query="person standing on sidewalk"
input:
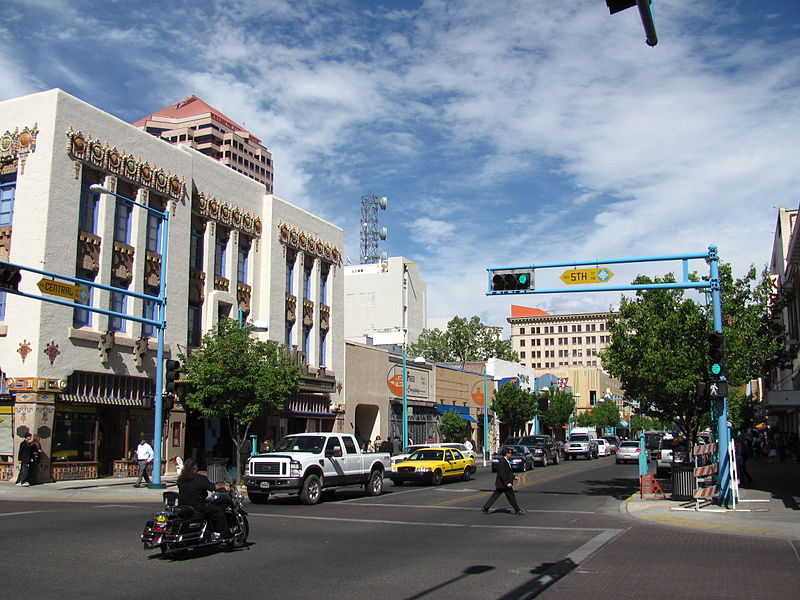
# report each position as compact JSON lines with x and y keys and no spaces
{"x":504,"y":484}
{"x":144,"y":456}
{"x":25,"y":458}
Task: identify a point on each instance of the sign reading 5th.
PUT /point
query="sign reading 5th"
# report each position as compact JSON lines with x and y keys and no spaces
{"x":576,"y":276}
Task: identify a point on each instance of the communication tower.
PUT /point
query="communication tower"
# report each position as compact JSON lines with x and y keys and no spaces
{"x":370,"y":232}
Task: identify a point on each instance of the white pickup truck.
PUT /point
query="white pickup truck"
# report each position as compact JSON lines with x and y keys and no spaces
{"x":310,"y":463}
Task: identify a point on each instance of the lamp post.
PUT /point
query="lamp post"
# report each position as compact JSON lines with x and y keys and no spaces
{"x":405,"y":392}
{"x":162,"y":324}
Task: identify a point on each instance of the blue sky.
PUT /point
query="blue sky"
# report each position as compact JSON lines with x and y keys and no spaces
{"x":503,"y":132}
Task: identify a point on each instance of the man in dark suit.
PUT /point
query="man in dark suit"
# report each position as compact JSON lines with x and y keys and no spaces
{"x":504,"y":484}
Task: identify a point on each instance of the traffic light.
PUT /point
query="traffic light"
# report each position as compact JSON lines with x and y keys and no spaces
{"x":511,"y":280}
{"x":645,"y":13}
{"x":9,"y":277}
{"x":172,"y":369}
{"x":715,"y":352}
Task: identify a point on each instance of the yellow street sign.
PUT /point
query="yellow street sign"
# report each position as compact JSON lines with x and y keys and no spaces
{"x":64,"y":290}
{"x":596,"y":275}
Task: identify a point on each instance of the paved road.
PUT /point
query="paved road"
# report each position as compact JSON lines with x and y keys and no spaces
{"x":411,"y":542}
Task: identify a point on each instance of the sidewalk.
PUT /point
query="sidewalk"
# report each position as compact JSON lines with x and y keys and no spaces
{"x":770,"y":505}
{"x":110,"y":489}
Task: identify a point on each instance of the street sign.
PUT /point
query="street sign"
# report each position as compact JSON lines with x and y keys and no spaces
{"x":596,"y":275}
{"x":64,"y":290}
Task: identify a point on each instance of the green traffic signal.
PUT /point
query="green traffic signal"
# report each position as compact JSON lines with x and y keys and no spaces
{"x":511,"y":280}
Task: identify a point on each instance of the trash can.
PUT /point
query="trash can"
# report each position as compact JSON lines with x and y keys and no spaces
{"x":682,"y":481}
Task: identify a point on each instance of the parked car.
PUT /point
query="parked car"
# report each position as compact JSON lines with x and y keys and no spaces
{"x":542,"y":447}
{"x":629,"y":451}
{"x":603,"y":448}
{"x":433,"y":465}
{"x":613,"y":442}
{"x":521,"y":459}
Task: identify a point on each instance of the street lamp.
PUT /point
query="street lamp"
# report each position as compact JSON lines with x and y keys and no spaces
{"x":420,"y":360}
{"x":162,"y":324}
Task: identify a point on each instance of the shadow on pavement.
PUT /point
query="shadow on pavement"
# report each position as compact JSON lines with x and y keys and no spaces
{"x":546,"y":575}
{"x":473,"y":570}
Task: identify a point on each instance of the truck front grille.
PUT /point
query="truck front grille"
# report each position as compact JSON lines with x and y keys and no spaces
{"x":268,"y":468}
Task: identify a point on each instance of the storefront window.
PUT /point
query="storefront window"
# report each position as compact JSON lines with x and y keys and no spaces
{"x":140,"y":425}
{"x":74,"y":434}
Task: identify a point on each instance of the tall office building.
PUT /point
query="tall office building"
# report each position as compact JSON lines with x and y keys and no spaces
{"x":201,"y":126}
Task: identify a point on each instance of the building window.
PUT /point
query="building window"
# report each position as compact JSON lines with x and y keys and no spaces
{"x":153,"y":233}
{"x":8,"y":190}
{"x":322,"y":354}
{"x":87,"y":213}
{"x":122,"y":222}
{"x":150,"y":311}
{"x":289,"y":327}
{"x":194,"y":334}
{"x":522,"y":355}
{"x":242,"y":259}
{"x":308,"y":267}
{"x":522,"y":343}
{"x":323,"y":285}
{"x":306,"y":341}
{"x":196,"y":245}
{"x":3,"y":297}
{"x":220,"y":252}
{"x":291,"y":258}
{"x":82,"y":317}
{"x":522,"y":331}
{"x":119,"y":304}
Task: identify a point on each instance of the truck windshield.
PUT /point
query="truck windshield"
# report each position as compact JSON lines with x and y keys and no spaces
{"x":301,"y":443}
{"x":579,"y":437}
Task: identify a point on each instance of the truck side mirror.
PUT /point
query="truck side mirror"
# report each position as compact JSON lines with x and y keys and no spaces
{"x":336,"y":451}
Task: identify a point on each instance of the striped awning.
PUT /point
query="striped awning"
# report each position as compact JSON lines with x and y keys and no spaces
{"x":76,"y":399}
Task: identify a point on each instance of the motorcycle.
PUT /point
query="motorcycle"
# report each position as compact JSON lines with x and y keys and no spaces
{"x":179,"y":528}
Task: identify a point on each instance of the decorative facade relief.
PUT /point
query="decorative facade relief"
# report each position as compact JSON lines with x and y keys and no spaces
{"x":229,"y":215}
{"x":83,"y":148}
{"x":15,"y":147}
{"x":309,"y":243}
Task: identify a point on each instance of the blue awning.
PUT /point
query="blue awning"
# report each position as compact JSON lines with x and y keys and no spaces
{"x":462,"y":411}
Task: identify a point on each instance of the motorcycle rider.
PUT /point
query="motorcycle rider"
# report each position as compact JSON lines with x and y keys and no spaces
{"x":192,"y":491}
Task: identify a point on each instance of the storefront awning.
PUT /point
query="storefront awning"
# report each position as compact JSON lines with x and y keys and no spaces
{"x":462,"y":411}
{"x":76,"y":399}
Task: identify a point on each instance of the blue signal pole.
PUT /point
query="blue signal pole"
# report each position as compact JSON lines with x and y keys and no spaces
{"x":161,"y":325}
{"x":713,"y":284}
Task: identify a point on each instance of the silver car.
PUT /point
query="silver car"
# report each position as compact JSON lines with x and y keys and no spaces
{"x":629,"y":451}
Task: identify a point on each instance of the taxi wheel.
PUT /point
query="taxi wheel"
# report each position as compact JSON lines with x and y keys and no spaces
{"x":437,"y":477}
{"x":465,"y":475}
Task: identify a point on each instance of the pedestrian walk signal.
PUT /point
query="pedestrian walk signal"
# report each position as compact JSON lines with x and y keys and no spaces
{"x":511,"y":280}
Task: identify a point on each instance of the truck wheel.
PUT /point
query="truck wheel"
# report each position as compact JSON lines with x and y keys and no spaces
{"x":312,"y":490}
{"x":374,"y":485}
{"x":258,"y":497}
{"x":437,"y":477}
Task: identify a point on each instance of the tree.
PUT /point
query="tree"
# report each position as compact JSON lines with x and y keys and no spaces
{"x":741,"y":409}
{"x":606,"y":414}
{"x":659,"y":345}
{"x":464,"y":340}
{"x":237,"y":377}
{"x":452,"y":426}
{"x":560,"y":409}
{"x":585,"y":419}
{"x":514,"y":406}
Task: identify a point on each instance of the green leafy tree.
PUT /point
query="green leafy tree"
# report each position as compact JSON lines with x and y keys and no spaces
{"x":606,"y":414}
{"x":659,"y":345}
{"x":741,"y":409}
{"x":514,"y":406}
{"x":560,"y":408}
{"x":452,"y":426}
{"x":464,"y":340}
{"x":585,"y":419}
{"x":236,"y":377}
{"x":642,"y":423}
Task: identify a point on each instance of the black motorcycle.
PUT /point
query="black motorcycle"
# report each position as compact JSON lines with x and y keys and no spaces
{"x":179,"y":528}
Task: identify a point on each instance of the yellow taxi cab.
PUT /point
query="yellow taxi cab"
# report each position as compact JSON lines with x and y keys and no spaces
{"x":431,"y":465}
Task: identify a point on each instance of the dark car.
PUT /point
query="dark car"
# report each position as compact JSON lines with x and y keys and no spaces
{"x":521,"y":459}
{"x":652,"y":442}
{"x":543,"y":448}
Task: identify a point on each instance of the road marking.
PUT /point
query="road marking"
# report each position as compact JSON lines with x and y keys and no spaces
{"x":429,"y":524}
{"x":24,"y":512}
{"x":441,"y":505}
{"x":115,"y":506}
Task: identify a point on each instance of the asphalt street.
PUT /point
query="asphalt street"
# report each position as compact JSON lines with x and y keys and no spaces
{"x":411,"y":542}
